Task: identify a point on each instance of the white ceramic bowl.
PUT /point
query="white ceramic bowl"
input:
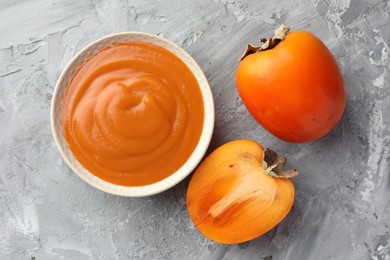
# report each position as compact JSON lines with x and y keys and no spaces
{"x":136,"y":191}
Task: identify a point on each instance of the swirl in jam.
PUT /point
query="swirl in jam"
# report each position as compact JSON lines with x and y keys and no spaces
{"x":132,"y":113}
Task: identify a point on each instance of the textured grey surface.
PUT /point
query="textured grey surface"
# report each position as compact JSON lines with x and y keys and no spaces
{"x":342,"y":207}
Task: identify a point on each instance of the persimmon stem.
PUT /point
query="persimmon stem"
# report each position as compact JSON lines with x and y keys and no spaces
{"x":273,"y":165}
{"x":269,"y":43}
{"x":269,"y":169}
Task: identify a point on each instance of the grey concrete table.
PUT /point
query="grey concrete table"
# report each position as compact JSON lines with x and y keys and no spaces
{"x":342,"y":208}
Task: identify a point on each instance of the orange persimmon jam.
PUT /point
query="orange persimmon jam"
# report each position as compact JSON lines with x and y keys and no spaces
{"x":132,"y":113}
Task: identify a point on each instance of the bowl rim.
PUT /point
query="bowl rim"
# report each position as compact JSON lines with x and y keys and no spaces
{"x":191,"y":163}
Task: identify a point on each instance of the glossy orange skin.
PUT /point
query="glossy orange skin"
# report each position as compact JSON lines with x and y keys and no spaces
{"x":231,"y":199}
{"x":295,"y":90}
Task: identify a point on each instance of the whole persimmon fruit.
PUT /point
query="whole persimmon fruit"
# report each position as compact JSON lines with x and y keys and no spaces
{"x":292,"y":86}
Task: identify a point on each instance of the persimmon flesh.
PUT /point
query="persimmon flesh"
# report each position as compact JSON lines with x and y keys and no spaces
{"x":293,"y":88}
{"x":235,"y":196}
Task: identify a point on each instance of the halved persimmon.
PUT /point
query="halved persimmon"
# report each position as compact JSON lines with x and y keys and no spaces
{"x":239,"y":192}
